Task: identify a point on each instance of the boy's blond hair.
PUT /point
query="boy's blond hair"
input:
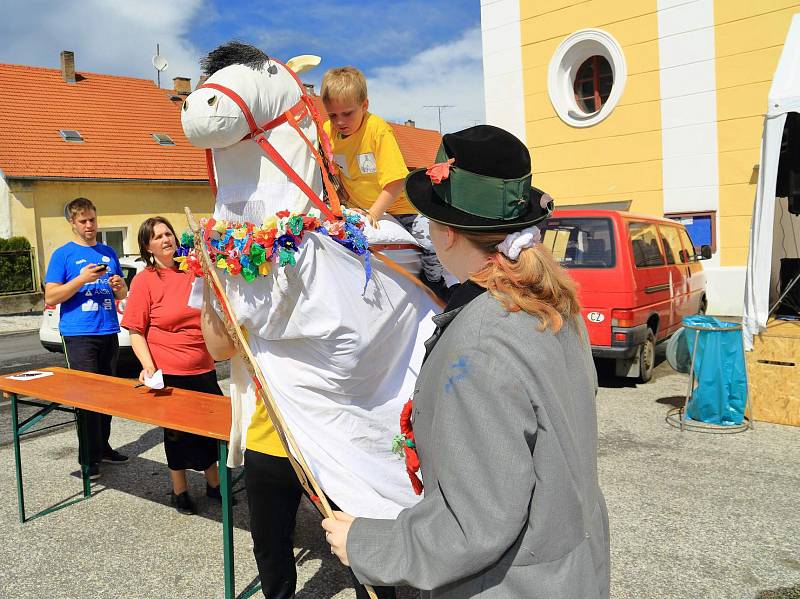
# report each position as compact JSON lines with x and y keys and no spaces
{"x":344,"y":83}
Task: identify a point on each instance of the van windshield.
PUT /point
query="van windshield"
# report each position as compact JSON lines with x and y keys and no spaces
{"x":580,"y":242}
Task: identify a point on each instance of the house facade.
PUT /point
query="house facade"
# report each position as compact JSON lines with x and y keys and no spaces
{"x":117,"y":141}
{"x":653,"y":106}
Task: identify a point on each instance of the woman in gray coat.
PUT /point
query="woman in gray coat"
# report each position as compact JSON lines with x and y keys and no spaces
{"x":503,"y":413}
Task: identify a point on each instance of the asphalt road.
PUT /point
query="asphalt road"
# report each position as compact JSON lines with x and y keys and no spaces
{"x":23,"y":351}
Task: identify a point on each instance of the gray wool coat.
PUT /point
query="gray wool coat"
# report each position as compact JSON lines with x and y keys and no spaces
{"x":506,"y":429}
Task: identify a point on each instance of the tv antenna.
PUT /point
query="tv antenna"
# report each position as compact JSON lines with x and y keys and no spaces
{"x":160,"y":63}
{"x":439,"y":107}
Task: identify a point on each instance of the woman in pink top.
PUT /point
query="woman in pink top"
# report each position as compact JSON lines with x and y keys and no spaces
{"x":165,"y":335}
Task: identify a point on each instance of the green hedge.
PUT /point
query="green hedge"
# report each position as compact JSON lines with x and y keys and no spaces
{"x":16,"y":273}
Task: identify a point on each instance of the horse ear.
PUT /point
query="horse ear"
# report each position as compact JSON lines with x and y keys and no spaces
{"x":302,"y":63}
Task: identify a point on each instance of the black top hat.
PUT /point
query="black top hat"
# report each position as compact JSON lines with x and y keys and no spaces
{"x":481,"y":181}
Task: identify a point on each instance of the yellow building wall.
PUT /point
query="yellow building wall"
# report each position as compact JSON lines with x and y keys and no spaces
{"x":37,"y":209}
{"x":619,"y":158}
{"x":748,"y":41}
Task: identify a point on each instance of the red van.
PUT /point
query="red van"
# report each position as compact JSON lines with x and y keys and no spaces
{"x":637,"y":276}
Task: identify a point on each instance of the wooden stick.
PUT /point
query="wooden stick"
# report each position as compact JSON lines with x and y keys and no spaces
{"x":239,"y":337}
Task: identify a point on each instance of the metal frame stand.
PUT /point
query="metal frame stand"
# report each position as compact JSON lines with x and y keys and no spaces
{"x":21,"y":428}
{"x":677,"y":416}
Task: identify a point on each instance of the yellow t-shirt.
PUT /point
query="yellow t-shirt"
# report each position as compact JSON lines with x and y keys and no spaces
{"x":261,"y":434}
{"x":368,"y":161}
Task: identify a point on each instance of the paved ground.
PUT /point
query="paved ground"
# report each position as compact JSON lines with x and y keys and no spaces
{"x":692,"y":515}
{"x":17,"y":323}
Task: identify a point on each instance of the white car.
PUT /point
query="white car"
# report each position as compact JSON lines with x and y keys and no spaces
{"x":48,"y":331}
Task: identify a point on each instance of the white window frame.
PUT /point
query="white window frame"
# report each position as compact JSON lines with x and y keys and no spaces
{"x":564,"y":65}
{"x":101,"y":236}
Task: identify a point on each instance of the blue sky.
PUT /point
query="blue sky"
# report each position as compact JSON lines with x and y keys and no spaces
{"x":413,"y":52}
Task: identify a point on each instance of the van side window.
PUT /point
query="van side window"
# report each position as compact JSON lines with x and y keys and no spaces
{"x":672,"y":245}
{"x":644,"y":239}
{"x":580,"y":242}
{"x":688,"y":246}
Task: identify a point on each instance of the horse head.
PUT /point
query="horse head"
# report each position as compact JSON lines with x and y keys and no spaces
{"x":246,"y":90}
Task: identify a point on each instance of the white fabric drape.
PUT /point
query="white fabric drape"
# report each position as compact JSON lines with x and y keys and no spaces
{"x":784,"y":97}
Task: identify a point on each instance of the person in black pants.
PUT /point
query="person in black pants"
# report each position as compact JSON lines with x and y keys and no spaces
{"x":84,"y":277}
{"x":273,"y":495}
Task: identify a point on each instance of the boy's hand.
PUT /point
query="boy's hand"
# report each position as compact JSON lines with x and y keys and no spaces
{"x":374,"y":218}
{"x":90,"y":273}
{"x":368,"y":215}
{"x":116,"y":282}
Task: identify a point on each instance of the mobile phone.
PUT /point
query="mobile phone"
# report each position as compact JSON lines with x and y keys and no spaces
{"x":101,"y":267}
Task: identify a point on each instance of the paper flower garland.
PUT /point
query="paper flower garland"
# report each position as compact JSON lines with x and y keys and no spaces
{"x":250,"y":250}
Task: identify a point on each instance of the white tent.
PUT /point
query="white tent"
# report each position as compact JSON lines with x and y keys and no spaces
{"x":784,"y":97}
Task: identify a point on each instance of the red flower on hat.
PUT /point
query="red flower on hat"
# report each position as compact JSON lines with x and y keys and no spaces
{"x":440,"y":171}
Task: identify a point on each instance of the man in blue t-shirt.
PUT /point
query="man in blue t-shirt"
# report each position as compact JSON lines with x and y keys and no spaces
{"x":84,"y":277}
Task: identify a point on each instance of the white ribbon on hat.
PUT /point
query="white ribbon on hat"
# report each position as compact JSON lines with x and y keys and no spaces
{"x":517,"y":241}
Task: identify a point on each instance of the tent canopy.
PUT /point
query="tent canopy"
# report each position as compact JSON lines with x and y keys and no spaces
{"x":784,"y":97}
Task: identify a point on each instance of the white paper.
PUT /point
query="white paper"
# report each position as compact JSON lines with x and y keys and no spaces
{"x":29,"y":375}
{"x":156,"y":381}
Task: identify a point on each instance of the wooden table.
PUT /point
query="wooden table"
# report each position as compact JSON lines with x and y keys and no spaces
{"x":188,"y":411}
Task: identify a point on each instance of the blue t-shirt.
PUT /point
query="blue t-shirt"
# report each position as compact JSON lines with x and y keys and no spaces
{"x":91,"y":311}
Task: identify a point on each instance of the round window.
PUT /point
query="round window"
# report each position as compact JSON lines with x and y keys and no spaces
{"x":586,"y":77}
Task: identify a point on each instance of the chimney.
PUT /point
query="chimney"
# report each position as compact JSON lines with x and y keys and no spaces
{"x":182,"y":85}
{"x":410,"y":123}
{"x":310,"y":89}
{"x":68,"y":66}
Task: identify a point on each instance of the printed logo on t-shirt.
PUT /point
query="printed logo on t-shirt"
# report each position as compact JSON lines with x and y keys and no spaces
{"x":88,"y":293}
{"x":366,"y":163}
{"x":106,"y":259}
{"x":79,"y":262}
{"x":108,"y":304}
{"x":341,"y":162}
{"x":90,"y":306}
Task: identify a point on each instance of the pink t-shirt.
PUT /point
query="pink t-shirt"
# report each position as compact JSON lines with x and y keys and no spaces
{"x":157,"y":307}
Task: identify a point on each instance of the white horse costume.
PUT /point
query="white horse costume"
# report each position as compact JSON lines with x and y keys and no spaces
{"x":340,"y":359}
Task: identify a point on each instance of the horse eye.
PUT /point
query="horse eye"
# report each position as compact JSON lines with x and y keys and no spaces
{"x":185,"y":105}
{"x":212,"y":100}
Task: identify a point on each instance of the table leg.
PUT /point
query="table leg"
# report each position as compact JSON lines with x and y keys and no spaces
{"x":17,"y":457}
{"x":83,"y":452}
{"x":227,"y":519}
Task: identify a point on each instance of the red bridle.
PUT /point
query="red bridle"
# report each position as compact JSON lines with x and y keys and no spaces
{"x":304,"y":106}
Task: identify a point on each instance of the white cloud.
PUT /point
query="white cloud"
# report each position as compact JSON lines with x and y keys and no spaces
{"x":107,"y":37}
{"x":451,"y":73}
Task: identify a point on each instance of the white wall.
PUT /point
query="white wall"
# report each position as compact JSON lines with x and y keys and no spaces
{"x":502,"y":65}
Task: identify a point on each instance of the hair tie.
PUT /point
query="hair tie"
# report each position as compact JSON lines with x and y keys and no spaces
{"x":517,"y":241}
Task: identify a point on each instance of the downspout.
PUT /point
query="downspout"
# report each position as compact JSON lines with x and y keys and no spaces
{"x":5,"y":208}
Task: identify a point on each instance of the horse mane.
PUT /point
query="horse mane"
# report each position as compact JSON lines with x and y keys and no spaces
{"x":233,"y":52}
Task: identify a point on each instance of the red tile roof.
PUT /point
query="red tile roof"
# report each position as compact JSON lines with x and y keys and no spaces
{"x":115,"y":116}
{"x":418,"y":146}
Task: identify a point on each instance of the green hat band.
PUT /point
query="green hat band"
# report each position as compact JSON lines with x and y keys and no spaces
{"x":487,"y":197}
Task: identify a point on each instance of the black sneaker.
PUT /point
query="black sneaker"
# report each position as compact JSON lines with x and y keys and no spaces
{"x":183,"y":503}
{"x":94,"y":471}
{"x":214,"y":493}
{"x":114,"y":457}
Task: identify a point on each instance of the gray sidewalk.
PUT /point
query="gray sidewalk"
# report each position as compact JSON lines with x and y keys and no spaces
{"x":20,"y":323}
{"x":692,"y":515}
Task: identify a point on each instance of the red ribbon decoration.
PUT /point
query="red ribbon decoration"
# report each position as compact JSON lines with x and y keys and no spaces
{"x":409,"y":447}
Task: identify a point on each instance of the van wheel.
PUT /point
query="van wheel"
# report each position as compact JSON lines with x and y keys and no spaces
{"x":647,"y":357}
{"x":703,"y":306}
